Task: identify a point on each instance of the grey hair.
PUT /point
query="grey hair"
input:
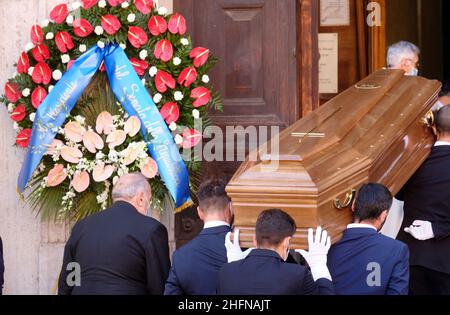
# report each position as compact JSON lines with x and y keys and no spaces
{"x":400,"y":50}
{"x":129,"y":186}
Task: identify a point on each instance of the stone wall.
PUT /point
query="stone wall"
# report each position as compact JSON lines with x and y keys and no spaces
{"x":32,"y":249}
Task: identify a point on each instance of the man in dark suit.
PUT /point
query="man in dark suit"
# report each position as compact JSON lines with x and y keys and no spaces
{"x":2,"y":267}
{"x":195,"y":265}
{"x":365,"y":262}
{"x":119,"y":250}
{"x":426,"y":224}
{"x":264,"y":271}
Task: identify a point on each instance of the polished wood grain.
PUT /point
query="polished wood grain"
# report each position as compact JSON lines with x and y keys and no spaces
{"x":372,"y":132}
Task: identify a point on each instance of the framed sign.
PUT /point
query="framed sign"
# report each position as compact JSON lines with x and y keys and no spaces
{"x":328,"y":63}
{"x":334,"y":12}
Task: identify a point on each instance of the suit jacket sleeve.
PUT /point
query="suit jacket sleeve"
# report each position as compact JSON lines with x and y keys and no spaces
{"x":441,"y":227}
{"x":2,"y":266}
{"x":63,"y":287}
{"x":157,"y":260}
{"x":173,"y":286}
{"x":399,"y":282}
{"x":319,"y":287}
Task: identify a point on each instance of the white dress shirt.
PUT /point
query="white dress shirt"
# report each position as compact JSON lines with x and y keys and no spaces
{"x":441,"y":143}
{"x":212,"y":224}
{"x":361,"y":226}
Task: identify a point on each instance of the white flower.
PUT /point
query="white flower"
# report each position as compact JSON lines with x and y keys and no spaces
{"x":99,"y":155}
{"x":205,"y":78}
{"x":178,"y":139}
{"x":173,"y":126}
{"x":102,"y":3}
{"x":65,"y":58}
{"x":30,"y":70}
{"x":153,"y":70}
{"x":50,"y":88}
{"x":123,"y":46}
{"x":32,"y":116}
{"x":44,"y":23}
{"x":162,"y":10}
{"x":14,"y":74}
{"x":143,"y":82}
{"x":184,"y":41}
{"x":115,"y":178}
{"x":49,"y":35}
{"x":178,"y":96}
{"x":57,"y":75}
{"x":143,"y":54}
{"x":16,"y":126}
{"x":76,"y":5}
{"x":82,"y":48}
{"x":195,"y":114}
{"x":131,"y":17}
{"x":176,"y":61}
{"x":11,"y":107}
{"x":29,"y":46}
{"x":98,"y":30}
{"x":101,"y":44}
{"x":69,"y":19}
{"x":113,"y":156}
{"x":157,"y":98}
{"x":26,"y":92}
{"x":125,"y":5}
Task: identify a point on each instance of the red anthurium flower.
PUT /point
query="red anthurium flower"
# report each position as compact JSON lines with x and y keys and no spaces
{"x":19,"y":113}
{"x":170,"y":112}
{"x":82,"y":27}
{"x":36,"y":34}
{"x":102,"y":66}
{"x":164,"y":80}
{"x":64,"y":42}
{"x":70,"y":63}
{"x":137,"y":36}
{"x":188,"y":76}
{"x":200,"y":56}
{"x":42,"y":73}
{"x":144,"y":6}
{"x":115,"y":3}
{"x":87,"y":4}
{"x":12,"y":92}
{"x":139,"y":65}
{"x":163,"y":50}
{"x":59,"y":13}
{"x":191,"y":138}
{"x":110,"y":24}
{"x":40,"y":53}
{"x":23,"y":138}
{"x":177,"y":24}
{"x":157,"y":25}
{"x":38,"y":96}
{"x":24,"y":63}
{"x":201,"y":95}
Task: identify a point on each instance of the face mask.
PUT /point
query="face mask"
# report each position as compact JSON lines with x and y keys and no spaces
{"x":414,"y":72}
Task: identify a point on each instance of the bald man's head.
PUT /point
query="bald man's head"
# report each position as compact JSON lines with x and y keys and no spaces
{"x":135,"y":189}
{"x":442,"y":121}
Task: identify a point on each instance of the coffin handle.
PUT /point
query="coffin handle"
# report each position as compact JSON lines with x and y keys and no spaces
{"x":349,"y":197}
{"x":429,"y":119}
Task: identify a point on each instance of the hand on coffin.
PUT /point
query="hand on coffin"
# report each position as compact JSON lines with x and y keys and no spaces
{"x":316,"y":257}
{"x":421,"y":230}
{"x":234,"y":251}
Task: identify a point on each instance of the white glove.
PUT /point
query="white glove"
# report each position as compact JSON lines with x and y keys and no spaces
{"x":316,"y":257}
{"x":421,"y":230}
{"x":234,"y":251}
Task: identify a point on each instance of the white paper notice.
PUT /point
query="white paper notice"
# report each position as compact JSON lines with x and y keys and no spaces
{"x":328,"y":63}
{"x":334,"y":12}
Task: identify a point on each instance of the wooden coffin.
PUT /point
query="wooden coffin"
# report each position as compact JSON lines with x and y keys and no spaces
{"x":373,"y":132}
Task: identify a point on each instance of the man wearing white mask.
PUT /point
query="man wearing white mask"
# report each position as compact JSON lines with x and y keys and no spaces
{"x":405,"y":56}
{"x":426,"y":225}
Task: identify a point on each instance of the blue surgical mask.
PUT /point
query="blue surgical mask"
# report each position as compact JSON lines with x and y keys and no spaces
{"x":414,"y":72}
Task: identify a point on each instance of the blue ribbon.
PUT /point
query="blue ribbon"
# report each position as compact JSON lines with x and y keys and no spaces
{"x":134,"y":98}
